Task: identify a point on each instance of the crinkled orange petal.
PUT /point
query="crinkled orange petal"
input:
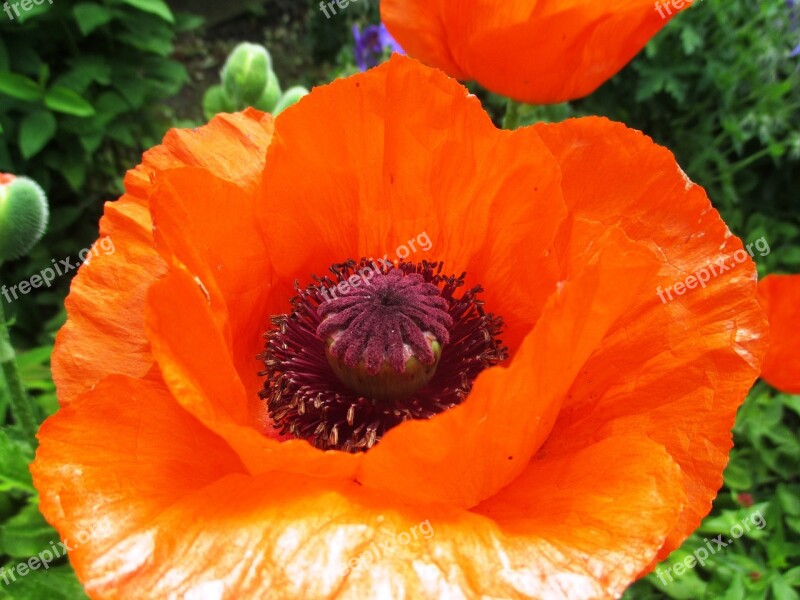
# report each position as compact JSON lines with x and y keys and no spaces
{"x":197,"y":364}
{"x":780,"y":297}
{"x":104,"y":333}
{"x":385,"y":169}
{"x":113,"y":460}
{"x":675,"y":371}
{"x":470,"y":452}
{"x":210,"y":225}
{"x":535,"y":51}
{"x":176,"y":517}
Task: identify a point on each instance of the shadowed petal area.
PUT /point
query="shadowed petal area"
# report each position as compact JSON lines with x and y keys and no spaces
{"x":780,"y":297}
{"x":172,"y":515}
{"x":674,"y":370}
{"x":209,"y":224}
{"x":535,"y":51}
{"x":181,"y":320}
{"x":105,"y":307}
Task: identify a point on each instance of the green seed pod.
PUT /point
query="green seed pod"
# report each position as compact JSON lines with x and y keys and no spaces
{"x":215,"y":101}
{"x":290,"y":97}
{"x":245,"y":74}
{"x":271,"y":94}
{"x":23,"y":216}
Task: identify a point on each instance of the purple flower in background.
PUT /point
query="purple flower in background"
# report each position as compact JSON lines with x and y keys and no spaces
{"x":371,"y":44}
{"x":793,"y":10}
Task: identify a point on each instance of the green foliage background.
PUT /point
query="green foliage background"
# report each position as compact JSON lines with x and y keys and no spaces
{"x":84,"y":89}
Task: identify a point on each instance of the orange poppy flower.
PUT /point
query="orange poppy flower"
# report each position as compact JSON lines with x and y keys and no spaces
{"x":559,"y":457}
{"x":780,"y":297}
{"x":535,"y":51}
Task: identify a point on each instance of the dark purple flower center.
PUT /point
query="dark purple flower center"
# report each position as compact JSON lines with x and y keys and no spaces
{"x":372,"y":347}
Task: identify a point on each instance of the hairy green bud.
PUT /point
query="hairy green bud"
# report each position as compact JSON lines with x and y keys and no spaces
{"x":23,"y":216}
{"x":215,"y":101}
{"x":271,"y":94}
{"x":290,"y":97}
{"x":245,"y":74}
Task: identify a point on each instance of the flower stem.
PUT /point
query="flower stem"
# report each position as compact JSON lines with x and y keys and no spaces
{"x":20,"y":403}
{"x":511,"y":119}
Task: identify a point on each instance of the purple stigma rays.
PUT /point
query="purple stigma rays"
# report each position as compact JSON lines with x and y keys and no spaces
{"x":386,"y":321}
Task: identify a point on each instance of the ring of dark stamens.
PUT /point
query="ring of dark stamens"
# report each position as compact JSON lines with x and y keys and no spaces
{"x":307,"y":400}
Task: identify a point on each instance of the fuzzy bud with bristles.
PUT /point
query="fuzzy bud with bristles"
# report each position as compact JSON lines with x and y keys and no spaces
{"x":23,"y":216}
{"x":246,"y":74}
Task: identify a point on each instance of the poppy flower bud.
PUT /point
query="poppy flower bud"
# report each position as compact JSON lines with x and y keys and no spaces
{"x":290,"y":97}
{"x":271,"y":95}
{"x":23,"y":215}
{"x":215,"y":101}
{"x":246,"y":73}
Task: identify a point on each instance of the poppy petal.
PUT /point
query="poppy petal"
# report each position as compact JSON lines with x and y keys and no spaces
{"x":181,"y":499}
{"x":540,"y":52}
{"x":106,"y":305}
{"x":210,"y":225}
{"x":780,"y":297}
{"x":470,"y":452}
{"x":180,"y":321}
{"x":385,"y":171}
{"x":678,"y":369}
{"x":115,"y":458}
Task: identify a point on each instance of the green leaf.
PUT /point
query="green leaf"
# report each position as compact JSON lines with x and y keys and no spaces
{"x":19,"y":87}
{"x":792,"y":402}
{"x":27,"y":533}
{"x":86,"y":70}
{"x":33,"y":11}
{"x":55,"y":583}
{"x":147,"y":41}
{"x":187,"y":22}
{"x":5,"y":65}
{"x":789,"y":498}
{"x":71,"y":167}
{"x":34,"y":365}
{"x":738,"y":475}
{"x":782,"y":590}
{"x":65,"y":100}
{"x":36,"y":129}
{"x":154,"y":7}
{"x":691,"y":40}
{"x":14,"y":458}
{"x":91,"y":16}
{"x":5,"y":400}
